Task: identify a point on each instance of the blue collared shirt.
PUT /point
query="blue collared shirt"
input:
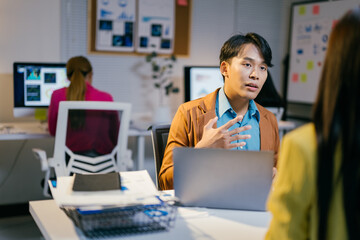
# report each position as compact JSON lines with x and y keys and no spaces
{"x":225,"y":113}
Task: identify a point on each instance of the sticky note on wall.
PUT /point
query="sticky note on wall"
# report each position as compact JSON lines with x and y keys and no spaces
{"x":310,"y":65}
{"x":303,"y":77}
{"x":295,"y":77}
{"x":302,"y":10}
{"x":182,"y":2}
{"x":316,"y":10}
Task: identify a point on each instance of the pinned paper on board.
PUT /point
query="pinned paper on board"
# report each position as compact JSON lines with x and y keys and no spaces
{"x":302,"y":10}
{"x":303,"y":77}
{"x":316,"y":10}
{"x":310,"y":65}
{"x":334,"y":23}
{"x":115,"y":22}
{"x":182,"y":2}
{"x":155,"y":26}
{"x":295,"y":77}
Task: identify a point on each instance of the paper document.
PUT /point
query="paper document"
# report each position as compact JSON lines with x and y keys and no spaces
{"x":137,"y":189}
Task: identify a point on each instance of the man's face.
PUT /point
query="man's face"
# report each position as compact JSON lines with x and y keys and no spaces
{"x":245,"y":74}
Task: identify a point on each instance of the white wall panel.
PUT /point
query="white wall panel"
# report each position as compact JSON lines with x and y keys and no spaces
{"x":30,"y":31}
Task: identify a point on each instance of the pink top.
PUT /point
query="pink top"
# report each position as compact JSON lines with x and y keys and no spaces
{"x":91,"y":94}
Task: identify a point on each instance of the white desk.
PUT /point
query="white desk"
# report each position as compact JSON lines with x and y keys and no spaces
{"x":23,"y":130}
{"x":191,"y":223}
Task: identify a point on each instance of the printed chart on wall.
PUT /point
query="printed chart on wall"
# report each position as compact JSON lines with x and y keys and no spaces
{"x":155,"y":26}
{"x":115,"y":20}
{"x":311,"y":27}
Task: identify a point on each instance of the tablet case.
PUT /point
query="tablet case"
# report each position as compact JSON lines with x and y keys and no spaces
{"x":97,"y":182}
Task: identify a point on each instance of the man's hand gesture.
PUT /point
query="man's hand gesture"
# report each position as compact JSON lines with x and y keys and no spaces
{"x":221,"y":137}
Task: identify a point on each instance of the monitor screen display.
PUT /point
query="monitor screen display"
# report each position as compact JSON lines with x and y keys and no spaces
{"x":201,"y":80}
{"x":34,"y":83}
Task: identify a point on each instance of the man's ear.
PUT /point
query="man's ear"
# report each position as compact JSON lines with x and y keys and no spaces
{"x":224,"y":69}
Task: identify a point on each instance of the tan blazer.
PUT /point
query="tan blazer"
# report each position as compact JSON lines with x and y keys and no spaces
{"x":187,"y":129}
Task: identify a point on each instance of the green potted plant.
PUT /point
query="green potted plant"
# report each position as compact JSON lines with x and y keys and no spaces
{"x":161,"y":71}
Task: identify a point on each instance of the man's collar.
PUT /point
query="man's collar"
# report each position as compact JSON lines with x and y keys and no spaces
{"x":224,"y":105}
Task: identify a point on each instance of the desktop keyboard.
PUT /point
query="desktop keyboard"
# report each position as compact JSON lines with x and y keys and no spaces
{"x":6,"y":129}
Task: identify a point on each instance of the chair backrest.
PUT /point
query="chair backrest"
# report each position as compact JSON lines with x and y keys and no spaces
{"x":277,"y":111}
{"x":159,"y":136}
{"x":91,"y":137}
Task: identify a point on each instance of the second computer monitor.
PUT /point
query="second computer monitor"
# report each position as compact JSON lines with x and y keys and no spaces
{"x":201,"y":80}
{"x":34,"y":84}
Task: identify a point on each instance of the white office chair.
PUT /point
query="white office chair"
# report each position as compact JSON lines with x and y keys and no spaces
{"x":91,"y":137}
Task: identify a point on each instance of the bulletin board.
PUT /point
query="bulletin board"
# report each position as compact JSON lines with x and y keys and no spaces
{"x":127,"y":29}
{"x":310,"y":29}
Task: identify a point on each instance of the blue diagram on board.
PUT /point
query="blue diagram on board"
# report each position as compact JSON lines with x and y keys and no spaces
{"x":104,"y":13}
{"x":105,"y":2}
{"x":148,"y":18}
{"x":122,"y":3}
{"x":317,"y":28}
{"x":308,"y":28}
{"x":324,"y":38}
{"x":126,"y":17}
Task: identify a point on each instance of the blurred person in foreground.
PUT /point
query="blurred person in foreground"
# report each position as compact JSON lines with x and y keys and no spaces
{"x":316,"y":194}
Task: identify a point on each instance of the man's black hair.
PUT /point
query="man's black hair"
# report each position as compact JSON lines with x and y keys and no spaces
{"x":234,"y":45}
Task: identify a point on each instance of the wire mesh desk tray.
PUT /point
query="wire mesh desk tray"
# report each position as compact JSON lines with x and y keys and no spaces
{"x":123,"y":220}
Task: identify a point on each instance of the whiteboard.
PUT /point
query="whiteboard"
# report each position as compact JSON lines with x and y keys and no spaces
{"x":310,"y":29}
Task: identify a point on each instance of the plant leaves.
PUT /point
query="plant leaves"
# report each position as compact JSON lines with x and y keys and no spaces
{"x":155,"y":67}
{"x":169,"y":85}
{"x":148,"y":58}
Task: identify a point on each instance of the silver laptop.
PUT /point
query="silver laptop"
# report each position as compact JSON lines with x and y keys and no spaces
{"x":220,"y":178}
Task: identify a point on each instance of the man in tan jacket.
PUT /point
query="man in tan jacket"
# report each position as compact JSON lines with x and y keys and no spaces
{"x":228,"y":118}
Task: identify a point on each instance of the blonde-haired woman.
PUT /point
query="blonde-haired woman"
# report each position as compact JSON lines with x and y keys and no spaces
{"x":79,"y":72}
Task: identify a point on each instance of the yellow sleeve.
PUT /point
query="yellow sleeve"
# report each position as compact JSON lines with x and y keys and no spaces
{"x":292,"y":193}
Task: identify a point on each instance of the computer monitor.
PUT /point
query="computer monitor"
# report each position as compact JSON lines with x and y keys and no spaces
{"x":201,"y":80}
{"x":34,"y":84}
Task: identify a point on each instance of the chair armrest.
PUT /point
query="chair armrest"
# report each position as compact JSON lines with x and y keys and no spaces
{"x":41,"y":155}
{"x":128,"y":163}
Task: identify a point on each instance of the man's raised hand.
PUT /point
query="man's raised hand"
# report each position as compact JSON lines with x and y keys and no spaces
{"x":221,"y":137}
